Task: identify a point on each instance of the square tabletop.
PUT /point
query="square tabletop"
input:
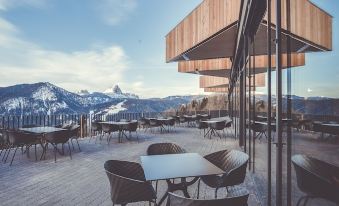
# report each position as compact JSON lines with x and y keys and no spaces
{"x":41,"y":130}
{"x":115,"y":123}
{"x":162,"y":167}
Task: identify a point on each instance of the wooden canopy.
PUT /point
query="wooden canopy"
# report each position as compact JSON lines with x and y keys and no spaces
{"x":209,"y":31}
{"x":222,"y":67}
{"x":213,"y":82}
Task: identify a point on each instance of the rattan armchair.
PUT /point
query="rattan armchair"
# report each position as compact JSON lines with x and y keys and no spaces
{"x":60,"y":137}
{"x":316,"y":179}
{"x":176,"y":200}
{"x":201,"y":125}
{"x":109,"y":129}
{"x":132,"y":127}
{"x":216,"y":127}
{"x":164,"y":148}
{"x":233,"y":162}
{"x":17,"y":139}
{"x":95,"y":130}
{"x":127,"y":182}
{"x":75,"y":135}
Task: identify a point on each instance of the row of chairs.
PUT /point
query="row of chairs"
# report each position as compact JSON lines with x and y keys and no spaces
{"x":98,"y":129}
{"x":215,"y":128}
{"x":128,"y":184}
{"x":15,"y":139}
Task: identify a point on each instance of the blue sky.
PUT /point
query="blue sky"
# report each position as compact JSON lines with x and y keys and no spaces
{"x":94,"y":44}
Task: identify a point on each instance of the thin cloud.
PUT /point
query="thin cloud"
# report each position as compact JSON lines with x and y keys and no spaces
{"x":113,"y":12}
{"x":9,"y":4}
{"x":24,"y":62}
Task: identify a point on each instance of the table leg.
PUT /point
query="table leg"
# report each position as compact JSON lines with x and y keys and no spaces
{"x":183,"y":186}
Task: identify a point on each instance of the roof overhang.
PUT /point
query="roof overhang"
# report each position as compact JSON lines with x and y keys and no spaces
{"x":209,"y":32}
{"x":222,"y":67}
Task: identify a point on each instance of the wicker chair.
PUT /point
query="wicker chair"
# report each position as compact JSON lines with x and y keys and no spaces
{"x":18,"y":139}
{"x":59,"y":137}
{"x":164,"y":148}
{"x":132,"y":127}
{"x":75,"y":135}
{"x":233,"y":162}
{"x":202,"y":126}
{"x":316,"y":179}
{"x":176,"y":200}
{"x":109,"y":129}
{"x":95,"y":129}
{"x":217,"y":126}
{"x":128,"y":184}
{"x":144,"y":123}
{"x":228,"y":128}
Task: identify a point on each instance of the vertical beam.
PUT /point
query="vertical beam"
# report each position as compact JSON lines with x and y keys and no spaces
{"x":269,"y":106}
{"x":289,"y":106}
{"x":279,"y":105}
{"x":249,"y":110}
{"x":253,"y":114}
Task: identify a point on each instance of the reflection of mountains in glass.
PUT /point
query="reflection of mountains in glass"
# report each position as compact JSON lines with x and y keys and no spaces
{"x":46,"y":98}
{"x":310,"y":105}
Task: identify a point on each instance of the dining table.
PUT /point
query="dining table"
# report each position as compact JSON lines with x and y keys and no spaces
{"x":121,"y":127}
{"x":174,"y":166}
{"x":40,"y":133}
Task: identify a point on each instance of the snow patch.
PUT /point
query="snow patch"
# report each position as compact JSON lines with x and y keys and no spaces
{"x":44,"y":94}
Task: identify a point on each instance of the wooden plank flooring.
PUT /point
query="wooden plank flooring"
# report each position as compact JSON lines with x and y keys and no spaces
{"x":82,"y":180}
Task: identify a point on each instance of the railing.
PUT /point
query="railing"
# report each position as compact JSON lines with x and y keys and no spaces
{"x":17,"y":121}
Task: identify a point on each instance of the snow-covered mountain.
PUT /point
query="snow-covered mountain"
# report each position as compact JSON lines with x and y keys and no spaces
{"x":46,"y":98}
{"x":116,"y":92}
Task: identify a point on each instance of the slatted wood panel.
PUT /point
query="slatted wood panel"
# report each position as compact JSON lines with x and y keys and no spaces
{"x":217,"y":90}
{"x":211,"y":81}
{"x":307,"y":21}
{"x":297,"y":59}
{"x":207,"y":19}
{"x":308,"y":24}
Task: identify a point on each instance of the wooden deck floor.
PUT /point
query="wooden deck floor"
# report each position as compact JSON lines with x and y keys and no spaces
{"x":82,"y":180}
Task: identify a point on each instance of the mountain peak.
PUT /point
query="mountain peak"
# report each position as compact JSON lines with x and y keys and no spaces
{"x":116,"y":89}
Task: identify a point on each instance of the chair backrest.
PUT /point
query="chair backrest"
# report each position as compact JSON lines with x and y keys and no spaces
{"x":233,"y":162}
{"x":202,"y":125}
{"x":109,"y":128}
{"x":164,"y":148}
{"x":95,"y":126}
{"x":143,"y":121}
{"x":127,"y":182}
{"x":176,"y":200}
{"x":228,"y":124}
{"x":132,"y":126}
{"x":58,"y":137}
{"x":218,"y":125}
{"x":316,"y":177}
{"x":154,"y":122}
{"x":75,"y":130}
{"x":19,"y":138}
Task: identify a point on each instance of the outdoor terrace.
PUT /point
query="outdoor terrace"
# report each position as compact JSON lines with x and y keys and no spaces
{"x":82,"y":180}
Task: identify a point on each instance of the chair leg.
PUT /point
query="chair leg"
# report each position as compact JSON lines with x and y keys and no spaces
{"x":78,"y":144}
{"x":216,"y":193}
{"x":306,"y":200}
{"x":198,"y":188}
{"x":70,"y":151}
{"x":36,"y":157}
{"x":13,"y":156}
{"x":9,"y":151}
{"x":300,"y":200}
{"x":72,"y":144}
{"x":54,"y":151}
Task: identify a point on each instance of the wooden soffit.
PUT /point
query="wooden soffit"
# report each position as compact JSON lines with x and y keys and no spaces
{"x":212,"y":81}
{"x":209,"y":31}
{"x":222,"y":67}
